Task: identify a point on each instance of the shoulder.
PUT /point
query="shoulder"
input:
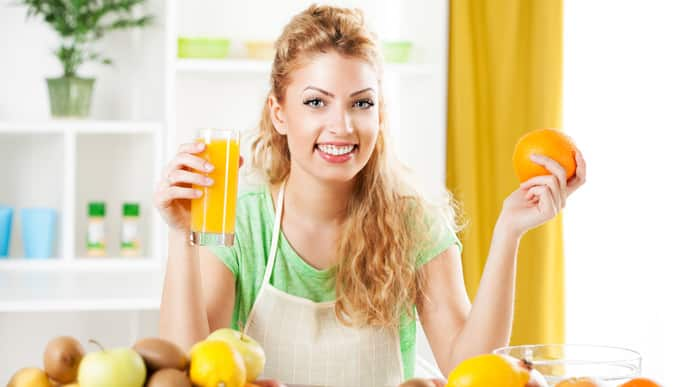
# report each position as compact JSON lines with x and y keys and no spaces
{"x":253,"y":198}
{"x":254,"y":208}
{"x":436,"y":229}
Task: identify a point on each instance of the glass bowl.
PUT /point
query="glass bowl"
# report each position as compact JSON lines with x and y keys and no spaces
{"x":556,"y":362}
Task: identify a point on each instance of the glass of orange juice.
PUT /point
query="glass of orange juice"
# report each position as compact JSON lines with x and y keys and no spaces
{"x":213,"y":214}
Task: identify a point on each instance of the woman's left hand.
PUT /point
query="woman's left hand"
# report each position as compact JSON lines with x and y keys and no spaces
{"x":541,"y":198}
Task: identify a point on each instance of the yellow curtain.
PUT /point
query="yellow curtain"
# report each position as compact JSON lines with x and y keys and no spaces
{"x":505,"y":65}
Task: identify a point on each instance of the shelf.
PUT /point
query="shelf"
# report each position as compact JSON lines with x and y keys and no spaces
{"x":80,"y":264}
{"x":245,"y":66}
{"x":80,"y":126}
{"x":223,"y":66}
{"x":80,"y":291}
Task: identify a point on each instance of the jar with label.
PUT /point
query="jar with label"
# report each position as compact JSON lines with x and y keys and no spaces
{"x":130,"y":245}
{"x":95,"y":239}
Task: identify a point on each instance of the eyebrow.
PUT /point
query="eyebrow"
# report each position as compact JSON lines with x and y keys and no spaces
{"x":327,"y":93}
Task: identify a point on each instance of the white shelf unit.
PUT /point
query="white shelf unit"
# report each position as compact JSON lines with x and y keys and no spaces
{"x":80,"y":126}
{"x":62,"y":164}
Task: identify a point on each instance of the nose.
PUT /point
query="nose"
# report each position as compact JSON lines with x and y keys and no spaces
{"x":341,"y":123}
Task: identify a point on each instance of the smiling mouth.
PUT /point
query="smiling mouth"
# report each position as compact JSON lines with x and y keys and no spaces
{"x":336,"y":150}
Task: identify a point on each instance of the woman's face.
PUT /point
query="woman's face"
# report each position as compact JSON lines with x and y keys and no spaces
{"x":330,"y":116}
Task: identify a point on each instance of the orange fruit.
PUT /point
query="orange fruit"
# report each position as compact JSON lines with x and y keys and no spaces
{"x":547,"y":142}
{"x":577,"y":382}
{"x":488,"y":370}
{"x":640,"y":382}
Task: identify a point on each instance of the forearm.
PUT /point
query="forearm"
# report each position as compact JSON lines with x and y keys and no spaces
{"x":183,"y":316}
{"x":489,"y":323}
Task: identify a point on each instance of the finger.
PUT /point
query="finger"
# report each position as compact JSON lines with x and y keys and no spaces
{"x":556,"y":169}
{"x":581,"y":172}
{"x":175,"y":193}
{"x":551,"y":182}
{"x":437,"y":382}
{"x":545,"y":199}
{"x":549,"y":203}
{"x":546,"y":202}
{"x":186,"y":160}
{"x":191,"y":147}
{"x":181,"y":176}
{"x":535,"y":192}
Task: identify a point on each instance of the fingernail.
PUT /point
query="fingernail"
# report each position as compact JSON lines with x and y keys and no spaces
{"x":535,"y":157}
{"x":200,"y":146}
{"x":198,"y":193}
{"x":208,"y":167}
{"x":208,"y":181}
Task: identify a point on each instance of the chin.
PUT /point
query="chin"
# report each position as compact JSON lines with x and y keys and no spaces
{"x":334,"y":176}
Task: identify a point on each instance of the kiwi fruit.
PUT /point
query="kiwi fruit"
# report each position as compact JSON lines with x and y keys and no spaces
{"x":160,"y":354}
{"x":61,"y":359}
{"x":169,"y":377}
{"x":417,"y":382}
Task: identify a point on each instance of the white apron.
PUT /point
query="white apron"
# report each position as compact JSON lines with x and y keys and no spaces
{"x":305,"y":344}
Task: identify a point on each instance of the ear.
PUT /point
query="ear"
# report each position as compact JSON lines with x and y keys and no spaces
{"x":277,"y":115}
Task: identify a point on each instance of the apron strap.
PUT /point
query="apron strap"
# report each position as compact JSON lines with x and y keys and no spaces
{"x":273,"y":253}
{"x":275,"y":236}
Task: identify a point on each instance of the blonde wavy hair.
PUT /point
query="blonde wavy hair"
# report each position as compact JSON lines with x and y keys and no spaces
{"x":388,"y":218}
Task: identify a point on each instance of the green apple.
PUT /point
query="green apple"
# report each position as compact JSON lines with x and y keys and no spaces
{"x":251,"y":351}
{"x":120,"y":367}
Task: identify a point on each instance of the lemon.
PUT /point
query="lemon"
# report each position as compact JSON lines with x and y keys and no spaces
{"x":488,"y":370}
{"x":215,"y":363}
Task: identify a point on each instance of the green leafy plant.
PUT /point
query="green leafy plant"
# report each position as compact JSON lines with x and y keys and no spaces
{"x":80,"y":23}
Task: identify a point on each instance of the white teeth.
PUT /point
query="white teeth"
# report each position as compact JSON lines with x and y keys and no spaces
{"x":335,"y":150}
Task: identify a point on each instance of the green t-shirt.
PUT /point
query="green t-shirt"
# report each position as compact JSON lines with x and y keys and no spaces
{"x":248,"y":257}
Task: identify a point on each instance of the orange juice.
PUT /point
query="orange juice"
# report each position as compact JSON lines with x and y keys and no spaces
{"x":213,"y":214}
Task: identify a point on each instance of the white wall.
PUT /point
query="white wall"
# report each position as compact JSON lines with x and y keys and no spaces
{"x":625,"y":103}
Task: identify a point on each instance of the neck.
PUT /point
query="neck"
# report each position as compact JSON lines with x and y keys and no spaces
{"x":315,"y":200}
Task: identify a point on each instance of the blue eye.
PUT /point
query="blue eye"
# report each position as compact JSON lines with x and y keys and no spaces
{"x":364,"y":104}
{"x":315,"y":102}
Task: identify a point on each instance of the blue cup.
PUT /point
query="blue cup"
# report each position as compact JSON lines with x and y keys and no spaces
{"x":5,"y":230}
{"x":38,"y":231}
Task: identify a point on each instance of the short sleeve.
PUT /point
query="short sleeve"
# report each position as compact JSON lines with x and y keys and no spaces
{"x":229,"y":256}
{"x":442,"y":236}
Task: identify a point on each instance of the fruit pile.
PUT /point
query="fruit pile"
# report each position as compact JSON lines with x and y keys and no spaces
{"x":225,"y":358}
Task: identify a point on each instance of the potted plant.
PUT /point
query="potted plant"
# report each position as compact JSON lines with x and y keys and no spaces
{"x":80,"y":23}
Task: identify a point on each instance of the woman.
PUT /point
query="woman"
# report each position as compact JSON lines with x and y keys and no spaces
{"x":357,"y":249}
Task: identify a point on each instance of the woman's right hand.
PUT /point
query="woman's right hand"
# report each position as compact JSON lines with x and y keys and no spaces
{"x":174,"y":191}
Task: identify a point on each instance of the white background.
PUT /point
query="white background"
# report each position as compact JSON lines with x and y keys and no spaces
{"x":625,"y":104}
